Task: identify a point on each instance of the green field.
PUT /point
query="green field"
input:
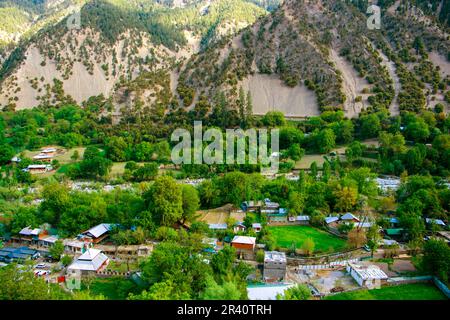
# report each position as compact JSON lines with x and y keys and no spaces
{"x":415,"y":291}
{"x":324,"y":242}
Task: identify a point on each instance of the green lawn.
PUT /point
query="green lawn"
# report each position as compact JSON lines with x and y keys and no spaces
{"x":112,"y":288}
{"x":324,"y":242}
{"x":415,"y":291}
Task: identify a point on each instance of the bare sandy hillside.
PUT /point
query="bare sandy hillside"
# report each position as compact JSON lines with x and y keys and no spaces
{"x":441,"y":62}
{"x":269,"y":93}
{"x":352,"y":85}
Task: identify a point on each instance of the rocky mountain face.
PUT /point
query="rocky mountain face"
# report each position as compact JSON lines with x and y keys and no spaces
{"x":301,"y":57}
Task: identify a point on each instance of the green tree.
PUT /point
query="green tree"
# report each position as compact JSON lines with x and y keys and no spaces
{"x":299,"y":292}
{"x":370,"y":126}
{"x":116,"y":148}
{"x":165,"y":201}
{"x":373,"y":238}
{"x":191,"y":203}
{"x":436,"y":258}
{"x":225,"y":291}
{"x":57,"y":250}
{"x":6,"y":153}
{"x":325,"y":140}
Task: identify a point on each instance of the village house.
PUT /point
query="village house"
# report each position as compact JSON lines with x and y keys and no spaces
{"x":252,"y":206}
{"x":274,"y":266}
{"x":92,"y":261}
{"x":96,"y":234}
{"x":303,"y":220}
{"x":47,"y":241}
{"x":349,"y":218}
{"x":75,"y":246}
{"x":332,"y":221}
{"x":29,"y":236}
{"x":239,"y":227}
{"x":38,"y":168}
{"x":218,"y":226}
{"x":438,"y":222}
{"x":244,"y":243}
{"x":257,"y":227}
{"x":8,"y":254}
{"x":367,"y":275}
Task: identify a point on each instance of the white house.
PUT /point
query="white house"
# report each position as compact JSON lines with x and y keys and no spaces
{"x":367,"y":276}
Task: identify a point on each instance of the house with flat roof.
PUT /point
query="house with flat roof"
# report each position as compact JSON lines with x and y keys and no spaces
{"x":274,"y":266}
{"x":367,"y":275}
{"x":92,"y":261}
{"x":266,"y":292}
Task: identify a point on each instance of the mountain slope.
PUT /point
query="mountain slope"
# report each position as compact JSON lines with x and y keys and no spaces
{"x":303,"y":58}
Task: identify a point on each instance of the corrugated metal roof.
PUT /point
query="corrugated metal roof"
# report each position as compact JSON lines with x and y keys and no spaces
{"x":244,"y":240}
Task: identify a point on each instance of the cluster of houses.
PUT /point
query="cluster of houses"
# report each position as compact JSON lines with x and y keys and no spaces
{"x":347,"y":218}
{"x":45,"y":157}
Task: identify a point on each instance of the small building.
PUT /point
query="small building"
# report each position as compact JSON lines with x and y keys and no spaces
{"x":38,"y":168}
{"x":218,"y":226}
{"x":257,"y":227}
{"x":438,"y":222}
{"x":252,"y":206}
{"x":363,"y":225}
{"x":29,"y":236}
{"x":9,"y":254}
{"x":267,"y":292}
{"x":274,"y":266}
{"x":43,"y":157}
{"x":349,"y":218}
{"x":97,"y":234}
{"x":239,"y":227}
{"x":50,"y":151}
{"x":75,"y":246}
{"x":367,"y":276}
{"x":48,"y":241}
{"x":244,"y":243}
{"x":332,"y":221}
{"x":302,"y":219}
{"x":92,"y":261}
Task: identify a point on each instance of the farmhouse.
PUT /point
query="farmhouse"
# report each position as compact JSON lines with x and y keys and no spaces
{"x":244,"y":243}
{"x":367,"y":276}
{"x":92,"y":261}
{"x":274,"y":266}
